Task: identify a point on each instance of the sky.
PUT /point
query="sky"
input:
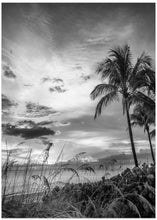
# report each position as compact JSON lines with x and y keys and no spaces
{"x":49,"y":57}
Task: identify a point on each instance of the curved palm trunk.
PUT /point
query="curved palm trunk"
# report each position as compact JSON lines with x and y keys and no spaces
{"x":151,"y":147}
{"x":131,"y":136}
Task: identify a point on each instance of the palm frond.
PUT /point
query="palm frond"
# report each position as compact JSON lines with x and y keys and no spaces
{"x":107,"y":99}
{"x":152,"y":133}
{"x":142,"y":62}
{"x":140,"y":98}
{"x":122,"y":56}
{"x":145,"y":59}
{"x":136,"y":119}
{"x":144,"y":78}
{"x":107,"y":68}
{"x":102,"y":65}
{"x":116,"y":79}
{"x":101,"y":89}
{"x":141,"y":117}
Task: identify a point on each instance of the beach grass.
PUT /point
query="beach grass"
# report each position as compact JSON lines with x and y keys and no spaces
{"x":47,"y":197}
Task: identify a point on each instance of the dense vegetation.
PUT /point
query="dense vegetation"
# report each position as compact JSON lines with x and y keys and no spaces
{"x":129,"y":194}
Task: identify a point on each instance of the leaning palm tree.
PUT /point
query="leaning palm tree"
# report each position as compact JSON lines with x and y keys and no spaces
{"x":142,"y":119}
{"x":117,"y":72}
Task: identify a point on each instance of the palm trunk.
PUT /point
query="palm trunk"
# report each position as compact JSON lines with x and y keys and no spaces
{"x":131,"y":136}
{"x":151,"y":147}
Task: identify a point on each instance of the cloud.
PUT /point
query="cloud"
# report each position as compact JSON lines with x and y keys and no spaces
{"x":58,"y":132}
{"x":58,"y":80}
{"x":100,"y":40}
{"x":64,"y":123}
{"x":46,"y":79}
{"x":44,"y":123}
{"x":53,"y":80}
{"x":26,"y":132}
{"x":51,"y":53}
{"x":85,"y":77}
{"x":77,"y":66}
{"x":26,"y":124}
{"x":57,"y":86}
{"x":7,"y":103}
{"x":35,"y":110}
{"x":53,"y":123}
{"x":8,"y":72}
{"x":28,"y":85}
{"x":58,"y":89}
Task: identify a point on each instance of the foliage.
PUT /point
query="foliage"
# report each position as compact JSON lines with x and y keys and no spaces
{"x":129,"y":194}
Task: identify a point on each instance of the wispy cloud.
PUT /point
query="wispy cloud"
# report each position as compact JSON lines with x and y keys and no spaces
{"x":49,"y":71}
{"x":34,"y":110}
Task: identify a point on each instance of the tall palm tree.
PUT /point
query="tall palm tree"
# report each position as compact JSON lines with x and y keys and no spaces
{"x":117,"y":72}
{"x":140,"y":118}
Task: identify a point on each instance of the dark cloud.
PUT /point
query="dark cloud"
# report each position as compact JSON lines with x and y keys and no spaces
{"x":58,"y":80}
{"x":34,"y":110}
{"x":8,"y":72}
{"x":58,"y":89}
{"x":85,"y":77}
{"x":27,"y":133}
{"x":26,"y":124}
{"x":46,"y":79}
{"x":57,"y":84}
{"x":7,"y":103}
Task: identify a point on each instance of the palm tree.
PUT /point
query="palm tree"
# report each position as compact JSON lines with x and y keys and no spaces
{"x":143,"y":84}
{"x":117,"y":72}
{"x":140,"y":118}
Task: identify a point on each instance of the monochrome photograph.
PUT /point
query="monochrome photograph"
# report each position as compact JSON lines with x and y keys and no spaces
{"x":78,"y":110}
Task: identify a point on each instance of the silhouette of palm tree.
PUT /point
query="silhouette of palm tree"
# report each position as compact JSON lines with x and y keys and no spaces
{"x":118,"y":72}
{"x":142,"y":119}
